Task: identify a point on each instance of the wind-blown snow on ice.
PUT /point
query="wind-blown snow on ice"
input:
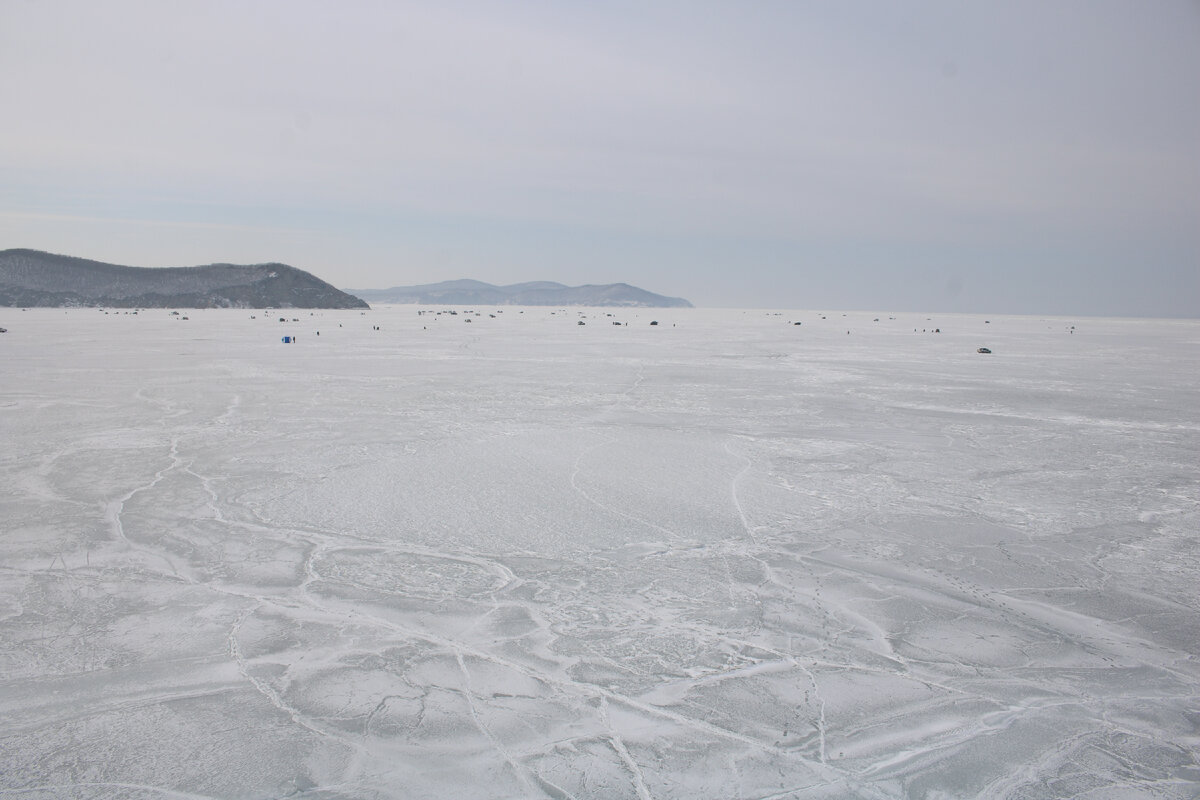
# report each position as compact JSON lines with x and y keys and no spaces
{"x":724,"y":556}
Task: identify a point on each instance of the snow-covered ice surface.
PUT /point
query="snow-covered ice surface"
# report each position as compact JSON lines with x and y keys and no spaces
{"x":721,"y":557}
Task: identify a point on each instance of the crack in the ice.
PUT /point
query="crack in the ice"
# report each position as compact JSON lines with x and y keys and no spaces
{"x":114,"y":510}
{"x":141,"y":787}
{"x":614,"y":738}
{"x":574,"y":481}
{"x":469,"y":695}
{"x":733,"y":493}
{"x":268,"y":691}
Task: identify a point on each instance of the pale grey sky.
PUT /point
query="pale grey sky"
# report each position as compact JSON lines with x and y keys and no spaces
{"x":1006,"y":156}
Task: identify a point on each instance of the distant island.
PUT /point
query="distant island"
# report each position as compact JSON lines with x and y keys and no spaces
{"x":31,"y":278}
{"x":536,"y":293}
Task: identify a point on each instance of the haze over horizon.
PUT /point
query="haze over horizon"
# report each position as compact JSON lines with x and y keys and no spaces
{"x":996,"y":158}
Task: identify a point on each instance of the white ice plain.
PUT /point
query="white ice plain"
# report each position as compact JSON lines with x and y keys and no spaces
{"x":722,"y":557}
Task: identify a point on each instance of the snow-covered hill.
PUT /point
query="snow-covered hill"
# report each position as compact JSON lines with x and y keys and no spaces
{"x":31,"y":278}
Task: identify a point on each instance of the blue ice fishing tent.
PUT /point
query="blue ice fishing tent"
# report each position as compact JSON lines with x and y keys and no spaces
{"x":287,"y":340}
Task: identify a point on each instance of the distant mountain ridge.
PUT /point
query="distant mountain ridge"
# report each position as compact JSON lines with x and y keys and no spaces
{"x":533,"y":293}
{"x":31,"y":278}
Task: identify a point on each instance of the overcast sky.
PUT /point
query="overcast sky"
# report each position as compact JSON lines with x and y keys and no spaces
{"x":1005,"y":156}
